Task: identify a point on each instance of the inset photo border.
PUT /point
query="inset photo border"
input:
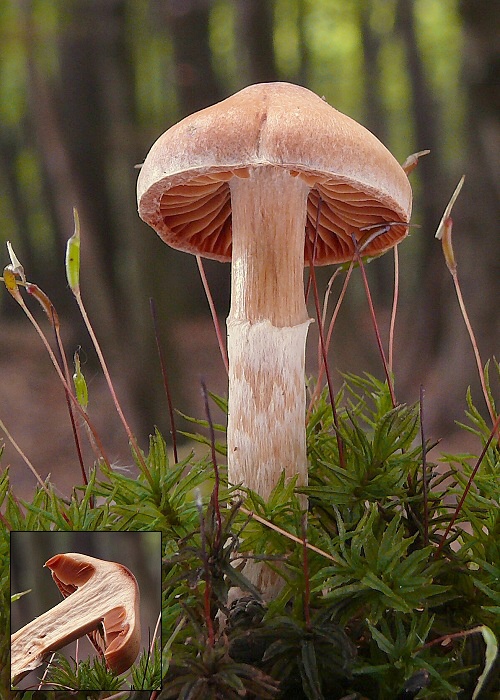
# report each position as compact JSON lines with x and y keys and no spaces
{"x":81,"y":664}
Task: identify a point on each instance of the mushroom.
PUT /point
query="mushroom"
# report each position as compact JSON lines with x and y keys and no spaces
{"x":99,"y":596}
{"x":258,"y":179}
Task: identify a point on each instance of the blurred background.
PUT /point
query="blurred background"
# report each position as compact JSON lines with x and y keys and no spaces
{"x":86,"y":86}
{"x":138,"y":551}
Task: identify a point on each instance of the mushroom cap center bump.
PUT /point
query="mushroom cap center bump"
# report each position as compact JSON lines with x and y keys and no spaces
{"x":183,"y":187}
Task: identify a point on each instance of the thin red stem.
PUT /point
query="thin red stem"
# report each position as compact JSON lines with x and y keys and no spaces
{"x":325,"y":363}
{"x":496,"y":425}
{"x":207,"y":593}
{"x":111,"y":388}
{"x":446,"y":637}
{"x":166,"y":385}
{"x":374,"y":320}
{"x":475,"y":348}
{"x":76,"y":435}
{"x":215,"y":494}
{"x":215,"y":319}
{"x":74,"y":400}
{"x":307,"y":582}
{"x":313,"y":282}
{"x":338,"y":305}
{"x":395,"y":300}
{"x":425,"y":490}
{"x":331,"y":325}
{"x":333,"y":319}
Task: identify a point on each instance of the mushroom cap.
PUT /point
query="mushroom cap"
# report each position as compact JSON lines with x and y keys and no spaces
{"x":357,"y":186}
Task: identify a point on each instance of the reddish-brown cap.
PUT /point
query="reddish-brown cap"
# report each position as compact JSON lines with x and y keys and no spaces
{"x":183,"y":190}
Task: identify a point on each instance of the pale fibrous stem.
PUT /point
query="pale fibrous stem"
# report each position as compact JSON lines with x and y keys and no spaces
{"x":267,"y":328}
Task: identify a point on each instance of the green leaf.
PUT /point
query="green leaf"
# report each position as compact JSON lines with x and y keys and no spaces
{"x":16,"y":596}
{"x":491,"y":654}
{"x":309,"y":671}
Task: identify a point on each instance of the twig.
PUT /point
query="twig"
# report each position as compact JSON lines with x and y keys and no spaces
{"x":289,"y":535}
{"x":24,"y":458}
{"x":449,"y":637}
{"x":46,"y":671}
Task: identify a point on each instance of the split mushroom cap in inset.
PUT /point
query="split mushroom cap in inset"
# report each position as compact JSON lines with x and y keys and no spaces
{"x":183,"y":186}
{"x":269,"y":178}
{"x":98,"y":594}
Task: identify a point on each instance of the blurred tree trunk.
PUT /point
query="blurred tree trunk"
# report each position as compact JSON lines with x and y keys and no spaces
{"x":88,"y":147}
{"x":189,"y":25}
{"x":376,"y":121}
{"x":96,"y":93}
{"x":10,"y":146}
{"x":198,"y":86}
{"x":255,"y":37}
{"x":81,"y":120}
{"x":88,"y":49}
{"x":427,"y":321}
{"x":476,"y":212}
{"x":481,"y":195}
{"x":304,"y":72}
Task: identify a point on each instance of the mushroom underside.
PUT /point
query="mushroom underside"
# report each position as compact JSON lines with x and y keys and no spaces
{"x":195,"y":216}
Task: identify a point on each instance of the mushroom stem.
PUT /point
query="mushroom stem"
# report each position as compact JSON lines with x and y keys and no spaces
{"x":267,"y":329}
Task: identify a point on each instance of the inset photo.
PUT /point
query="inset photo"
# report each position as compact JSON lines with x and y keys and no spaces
{"x":85,"y":610}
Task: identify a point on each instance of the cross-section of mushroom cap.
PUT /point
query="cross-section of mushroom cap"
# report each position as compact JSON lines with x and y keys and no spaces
{"x":357,"y":186}
{"x":98,"y":594}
